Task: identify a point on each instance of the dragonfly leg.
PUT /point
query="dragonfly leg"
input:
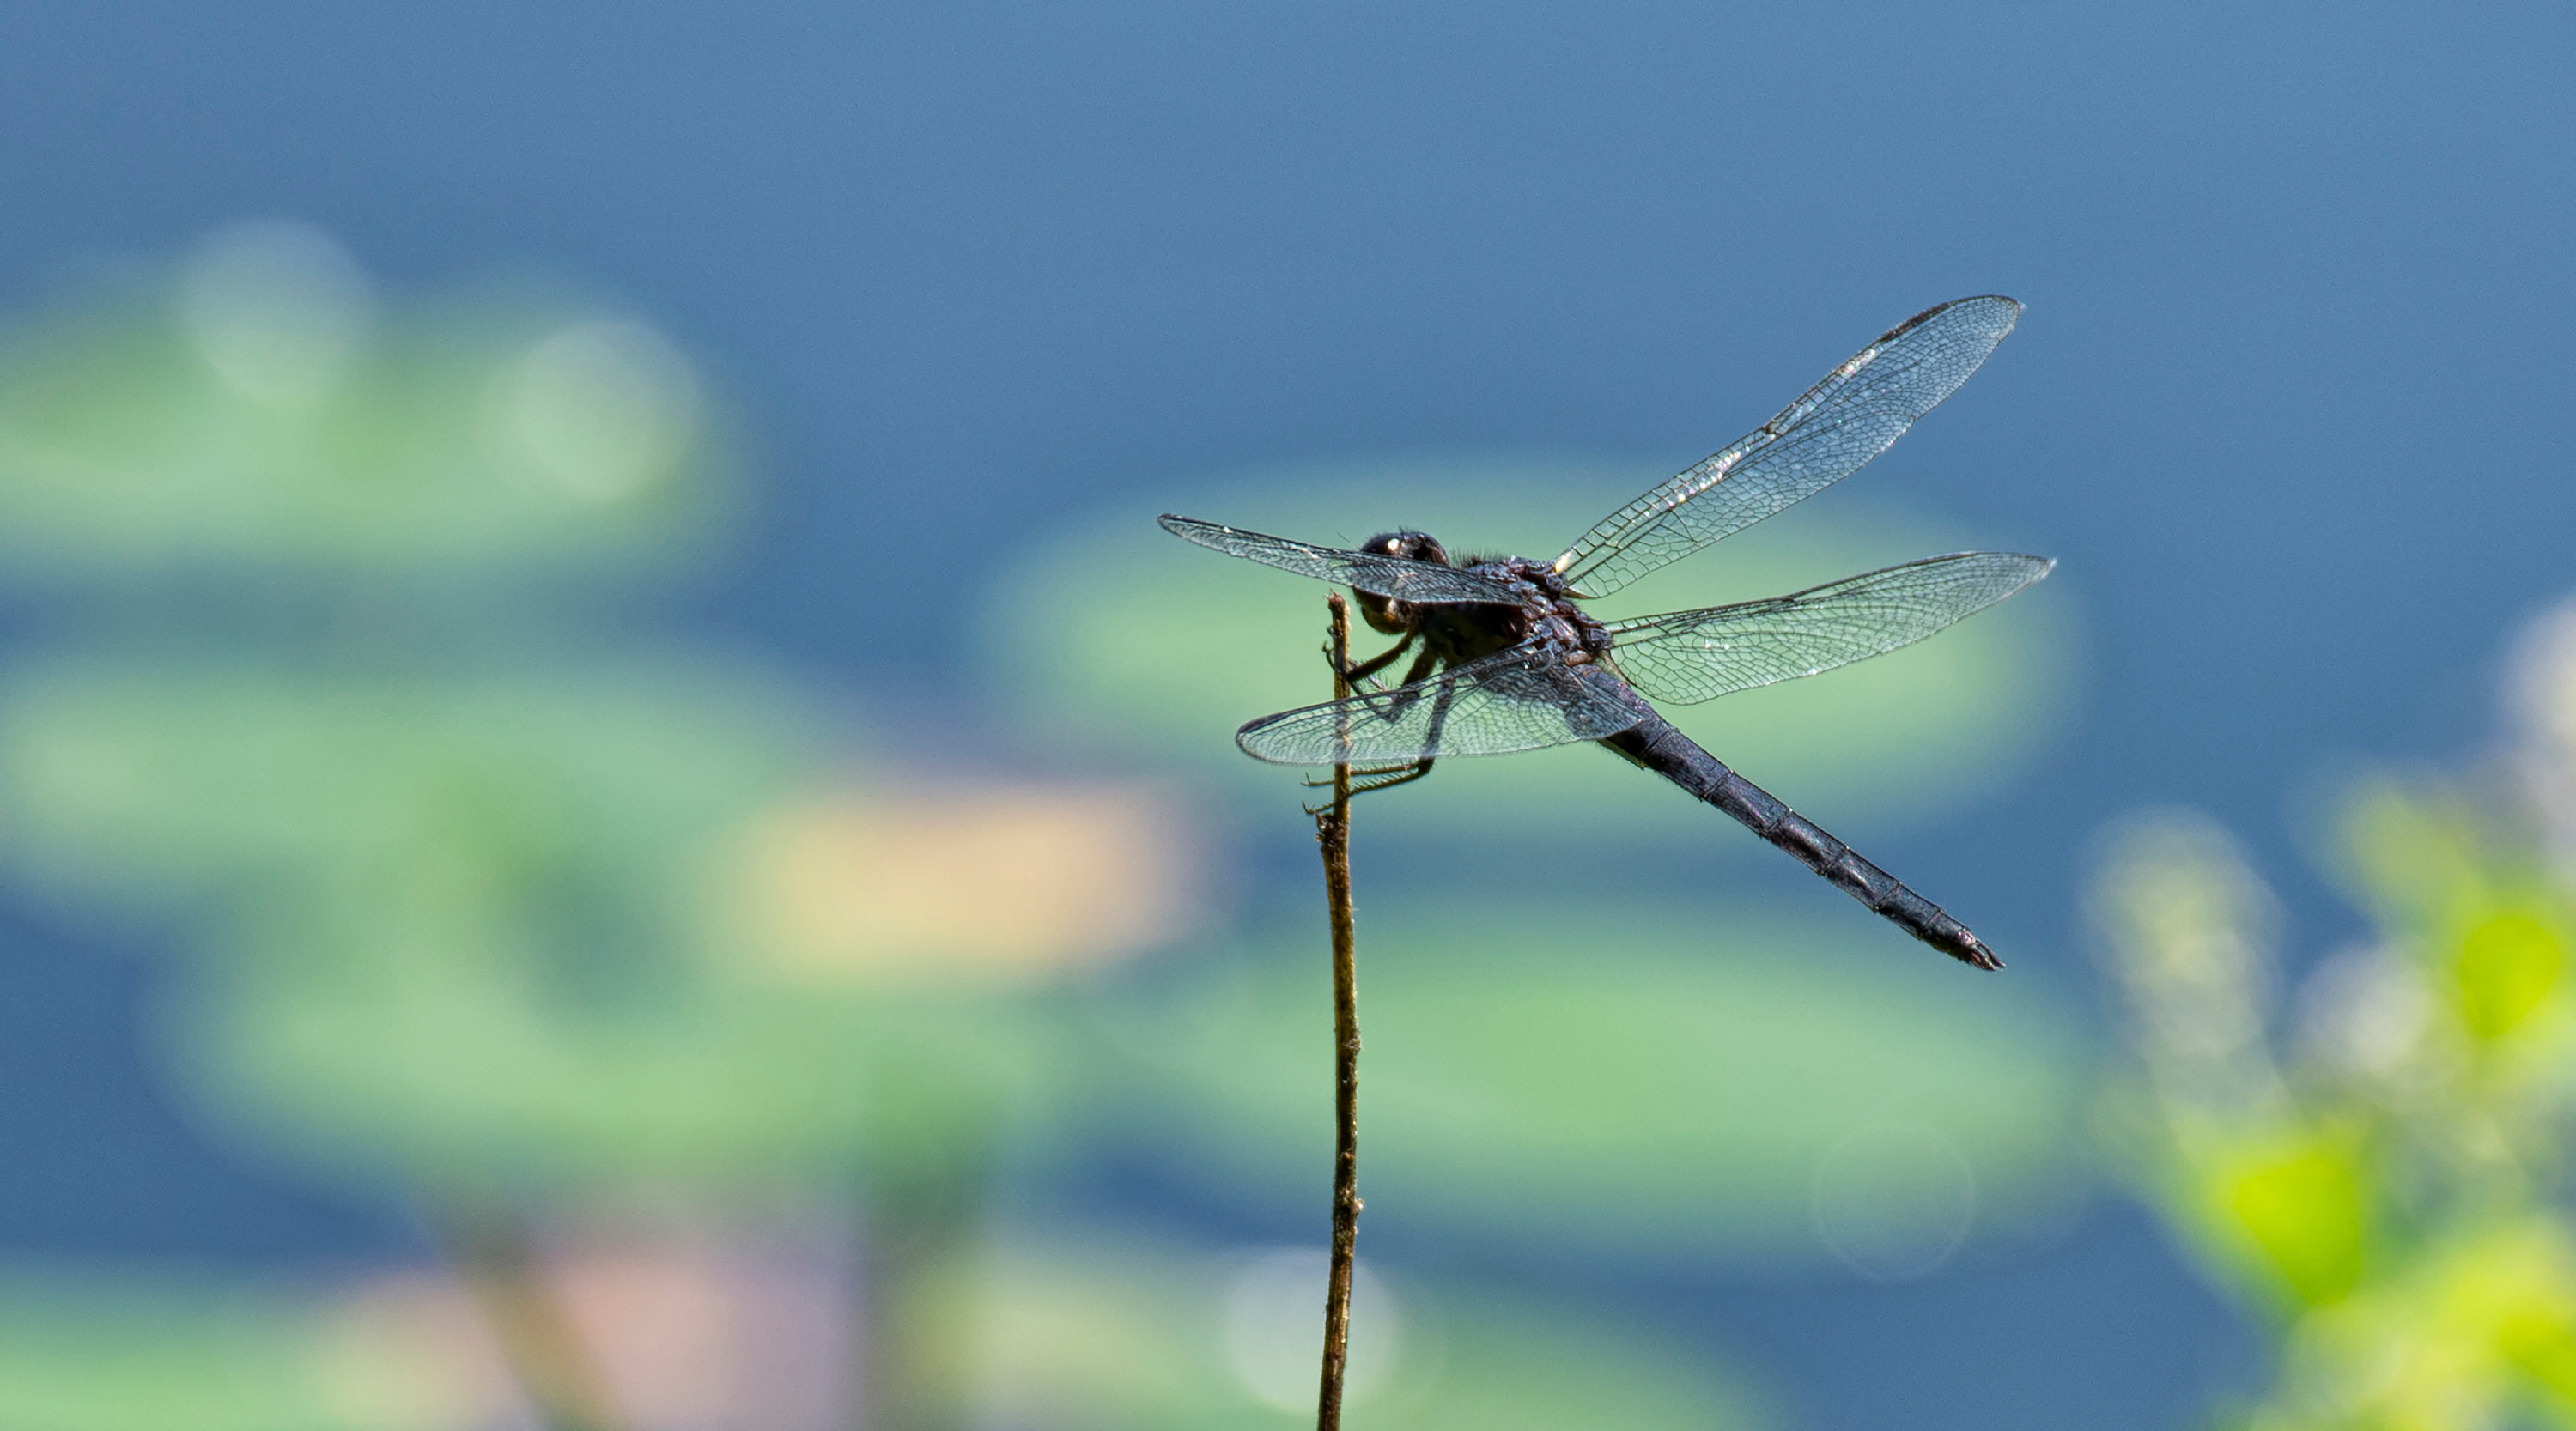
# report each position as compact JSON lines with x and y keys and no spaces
{"x":1389,"y":703}
{"x":1365,"y":778}
{"x":1358,"y":671}
{"x":1387,"y":777}
{"x":1384,"y":777}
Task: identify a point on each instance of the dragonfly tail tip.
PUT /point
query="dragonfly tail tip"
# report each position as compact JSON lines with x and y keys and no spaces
{"x":1969,"y":949}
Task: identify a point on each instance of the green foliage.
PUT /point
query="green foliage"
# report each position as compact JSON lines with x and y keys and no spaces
{"x":2303,"y":1207}
{"x":2381,"y":1171}
{"x":2508,"y":967}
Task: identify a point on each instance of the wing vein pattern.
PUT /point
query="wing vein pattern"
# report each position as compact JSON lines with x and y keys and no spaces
{"x":1691,"y":656}
{"x":1400,"y":577}
{"x":1830,"y":432}
{"x":1522,"y":699}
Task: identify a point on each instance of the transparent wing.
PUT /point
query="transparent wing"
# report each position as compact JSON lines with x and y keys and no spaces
{"x":1521,"y":699}
{"x":1823,"y":437}
{"x":1689,"y":656}
{"x":1400,"y":577}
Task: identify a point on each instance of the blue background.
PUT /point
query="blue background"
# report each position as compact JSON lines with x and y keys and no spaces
{"x":2283,"y":404}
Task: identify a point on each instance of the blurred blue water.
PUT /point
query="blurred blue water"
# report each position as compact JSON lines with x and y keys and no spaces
{"x":2297,"y":279}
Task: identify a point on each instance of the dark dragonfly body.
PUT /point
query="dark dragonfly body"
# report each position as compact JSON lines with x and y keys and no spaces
{"x":1653,"y":743}
{"x":1507,"y":661}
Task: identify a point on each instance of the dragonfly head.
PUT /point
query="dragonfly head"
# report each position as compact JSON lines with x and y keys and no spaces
{"x":1383,"y":613}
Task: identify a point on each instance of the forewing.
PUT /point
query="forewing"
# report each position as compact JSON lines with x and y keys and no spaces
{"x":1400,"y":577}
{"x":1688,"y":656}
{"x":1826,"y":435}
{"x":1512,"y":700}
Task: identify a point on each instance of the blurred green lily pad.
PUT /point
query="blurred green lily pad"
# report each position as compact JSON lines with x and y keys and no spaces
{"x":1665,"y":1082}
{"x":1121,"y":639}
{"x":256,"y":410}
{"x":143,"y":775}
{"x":483,"y":929}
{"x":428,"y":1074}
{"x":1136,"y":1336}
{"x":107,"y":1351}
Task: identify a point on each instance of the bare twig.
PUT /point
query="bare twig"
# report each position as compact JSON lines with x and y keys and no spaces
{"x":500,"y":1268}
{"x":1333,"y":832}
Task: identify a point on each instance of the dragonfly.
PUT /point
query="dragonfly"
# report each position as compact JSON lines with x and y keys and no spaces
{"x":1505,"y":660}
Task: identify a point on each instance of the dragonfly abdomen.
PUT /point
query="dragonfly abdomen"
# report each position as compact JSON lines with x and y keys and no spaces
{"x":1656,"y":745}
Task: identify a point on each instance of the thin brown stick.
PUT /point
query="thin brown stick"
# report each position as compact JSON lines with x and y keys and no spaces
{"x":1333,"y":832}
{"x":500,"y":1268}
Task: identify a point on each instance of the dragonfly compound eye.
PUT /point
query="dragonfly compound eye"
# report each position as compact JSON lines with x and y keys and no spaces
{"x":1417,"y":546}
{"x":1383,"y":614}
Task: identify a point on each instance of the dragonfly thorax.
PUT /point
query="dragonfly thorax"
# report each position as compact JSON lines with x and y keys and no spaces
{"x":1545,"y":616}
{"x":1459,"y":632}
